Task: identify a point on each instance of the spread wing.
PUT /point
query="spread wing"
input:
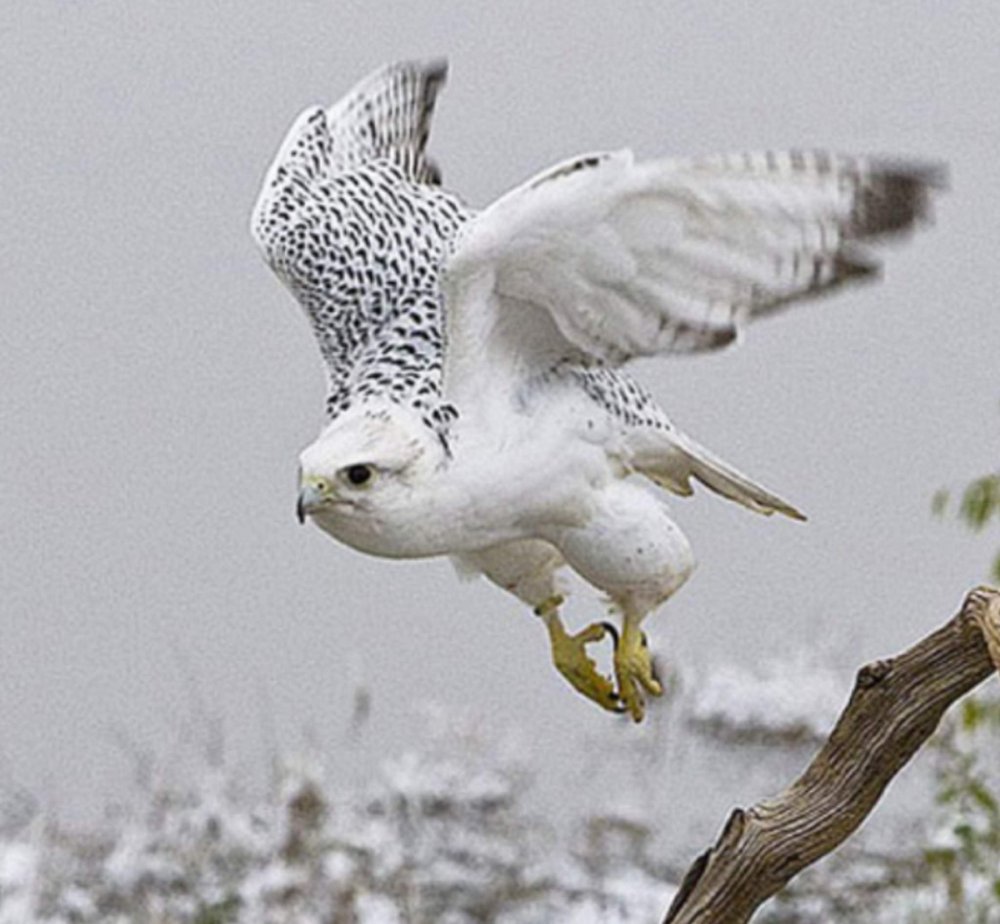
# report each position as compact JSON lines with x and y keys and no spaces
{"x":605,"y":258}
{"x":386,"y":118}
{"x":334,"y":220}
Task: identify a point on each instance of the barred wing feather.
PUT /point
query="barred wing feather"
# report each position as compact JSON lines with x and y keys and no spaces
{"x":385,"y":118}
{"x":626,"y":259}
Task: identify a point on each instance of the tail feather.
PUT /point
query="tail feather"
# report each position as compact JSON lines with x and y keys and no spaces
{"x":680,"y":459}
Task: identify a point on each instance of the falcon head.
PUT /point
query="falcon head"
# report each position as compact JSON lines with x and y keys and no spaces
{"x":366,"y":462}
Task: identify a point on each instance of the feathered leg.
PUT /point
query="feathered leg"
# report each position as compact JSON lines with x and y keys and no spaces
{"x":633,"y":551}
{"x":527,"y":569}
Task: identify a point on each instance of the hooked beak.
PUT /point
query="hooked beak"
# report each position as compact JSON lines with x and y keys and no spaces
{"x":310,"y":498}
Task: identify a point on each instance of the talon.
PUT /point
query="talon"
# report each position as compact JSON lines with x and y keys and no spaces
{"x":592,"y":633}
{"x":634,"y":670}
{"x":569,"y":654}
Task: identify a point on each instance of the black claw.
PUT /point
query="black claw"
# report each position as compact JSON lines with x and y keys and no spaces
{"x":645,"y":639}
{"x":612,"y":631}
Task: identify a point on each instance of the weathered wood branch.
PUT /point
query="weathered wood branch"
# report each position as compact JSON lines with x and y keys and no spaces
{"x":894,"y":708}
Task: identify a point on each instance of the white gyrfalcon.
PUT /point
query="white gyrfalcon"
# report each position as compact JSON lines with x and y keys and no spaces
{"x":477,"y":406}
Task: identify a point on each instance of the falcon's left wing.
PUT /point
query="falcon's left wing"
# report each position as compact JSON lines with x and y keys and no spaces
{"x":606,"y":258}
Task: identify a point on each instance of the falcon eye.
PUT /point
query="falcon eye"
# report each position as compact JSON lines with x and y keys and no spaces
{"x":358,"y":474}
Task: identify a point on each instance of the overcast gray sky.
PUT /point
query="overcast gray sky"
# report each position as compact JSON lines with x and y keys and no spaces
{"x":157,"y":382}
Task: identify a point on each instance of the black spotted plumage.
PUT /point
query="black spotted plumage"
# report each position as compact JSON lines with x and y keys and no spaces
{"x":352,"y":218}
{"x":350,"y":221}
{"x":627,"y":400}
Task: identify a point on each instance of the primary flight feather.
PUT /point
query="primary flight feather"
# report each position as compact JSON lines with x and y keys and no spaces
{"x":476,"y":404}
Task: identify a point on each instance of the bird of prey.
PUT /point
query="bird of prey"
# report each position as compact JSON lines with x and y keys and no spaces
{"x":477,"y":406}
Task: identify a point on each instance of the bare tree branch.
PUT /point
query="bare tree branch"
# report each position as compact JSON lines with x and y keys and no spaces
{"x":894,"y":708}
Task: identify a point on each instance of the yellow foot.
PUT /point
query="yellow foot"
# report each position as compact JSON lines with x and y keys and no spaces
{"x":634,"y":670}
{"x":569,"y":654}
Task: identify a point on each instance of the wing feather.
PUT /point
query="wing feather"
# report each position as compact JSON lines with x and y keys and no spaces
{"x":672,"y":459}
{"x":634,"y":259}
{"x":387,"y":116}
{"x":347,"y":221}
{"x":384,"y":118}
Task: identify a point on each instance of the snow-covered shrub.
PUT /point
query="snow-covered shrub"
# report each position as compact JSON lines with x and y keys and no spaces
{"x":782,"y":702}
{"x":443,"y":833}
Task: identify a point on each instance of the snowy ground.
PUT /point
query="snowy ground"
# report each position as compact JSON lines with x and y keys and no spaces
{"x":446,"y":833}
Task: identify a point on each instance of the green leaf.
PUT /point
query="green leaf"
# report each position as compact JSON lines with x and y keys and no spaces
{"x":963,"y":831}
{"x":939,"y":502}
{"x":981,"y":794}
{"x":972,"y":714}
{"x":940,"y":857}
{"x":979,"y":711}
{"x":947,"y":795}
{"x":966,"y":835}
{"x":980,"y":500}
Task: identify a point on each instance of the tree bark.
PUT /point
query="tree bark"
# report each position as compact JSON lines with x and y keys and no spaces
{"x":894,"y":708}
